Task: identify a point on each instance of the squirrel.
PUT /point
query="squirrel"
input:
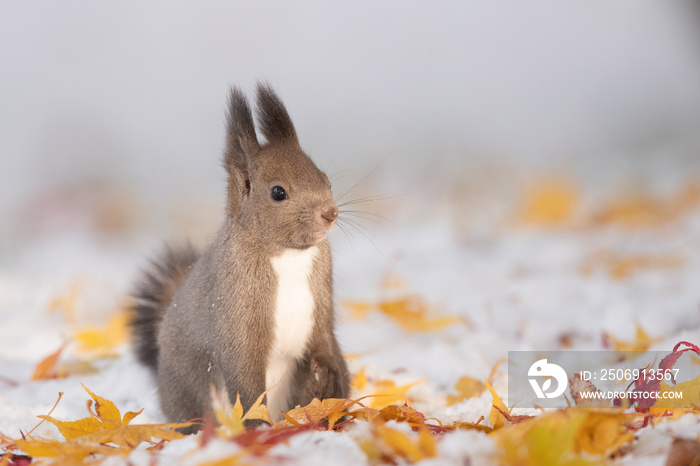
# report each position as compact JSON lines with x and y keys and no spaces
{"x":254,"y":310}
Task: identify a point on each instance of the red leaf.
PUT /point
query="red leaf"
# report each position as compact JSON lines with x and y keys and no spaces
{"x":642,"y":384}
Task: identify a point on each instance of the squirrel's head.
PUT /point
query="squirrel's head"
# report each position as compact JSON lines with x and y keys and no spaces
{"x":275,"y":192}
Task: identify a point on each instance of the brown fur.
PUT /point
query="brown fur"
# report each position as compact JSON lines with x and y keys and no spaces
{"x":213,"y":323}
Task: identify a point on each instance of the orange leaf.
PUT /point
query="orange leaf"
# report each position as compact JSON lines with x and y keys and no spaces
{"x":46,"y":369}
{"x":404,"y":446}
{"x":497,"y":417}
{"x":386,"y":393}
{"x":106,"y":338}
{"x":411,"y":313}
{"x":642,"y":341}
{"x":359,"y":381}
{"x":105,"y":409}
{"x":549,"y":202}
{"x":467,"y":387}
{"x":317,"y":412}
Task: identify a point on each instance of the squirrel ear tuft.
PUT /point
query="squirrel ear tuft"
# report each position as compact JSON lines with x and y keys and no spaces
{"x":273,"y":119}
{"x":242,"y":142}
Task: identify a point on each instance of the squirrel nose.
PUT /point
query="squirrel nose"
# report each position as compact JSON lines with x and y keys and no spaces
{"x":330,"y":214}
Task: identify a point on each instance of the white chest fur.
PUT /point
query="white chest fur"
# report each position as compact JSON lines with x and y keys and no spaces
{"x":293,"y":321}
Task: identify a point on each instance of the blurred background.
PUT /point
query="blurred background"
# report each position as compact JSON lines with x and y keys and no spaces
{"x":130,"y":96}
{"x":112,"y":115}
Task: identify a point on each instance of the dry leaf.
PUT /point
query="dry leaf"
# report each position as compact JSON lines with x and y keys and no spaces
{"x":412,"y":313}
{"x":497,"y":416}
{"x":106,"y":338}
{"x":106,"y":425}
{"x":386,"y":392}
{"x":577,"y":386}
{"x":46,"y":369}
{"x":396,"y":443}
{"x":234,"y":423}
{"x":359,"y":381}
{"x":550,"y":201}
{"x":317,"y":412}
{"x":639,"y":210}
{"x":467,"y":387}
{"x":603,"y":432}
{"x":642,"y":341}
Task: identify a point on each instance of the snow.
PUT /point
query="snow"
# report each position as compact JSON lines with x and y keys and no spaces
{"x":522,"y":290}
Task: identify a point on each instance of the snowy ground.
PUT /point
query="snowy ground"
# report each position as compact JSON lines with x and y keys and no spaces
{"x":519,"y":282}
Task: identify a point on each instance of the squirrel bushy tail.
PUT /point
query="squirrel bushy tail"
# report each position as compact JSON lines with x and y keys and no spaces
{"x":154,"y":291}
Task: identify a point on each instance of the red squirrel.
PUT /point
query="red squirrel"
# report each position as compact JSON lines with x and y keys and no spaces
{"x":254,"y":310}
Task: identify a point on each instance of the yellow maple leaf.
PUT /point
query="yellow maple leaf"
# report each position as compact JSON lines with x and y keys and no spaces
{"x":106,"y":425}
{"x":396,"y":413}
{"x":386,"y":392}
{"x":63,"y":453}
{"x":317,"y":412}
{"x":549,"y":201}
{"x":638,"y":210}
{"x":106,"y":338}
{"x":561,"y":436}
{"x":642,"y":341}
{"x":602,"y":432}
{"x":496,"y":417}
{"x":412,"y":313}
{"x":233,"y":424}
{"x":359,"y":381}
{"x":548,"y":439}
{"x":402,"y":445}
{"x":685,"y":395}
{"x":467,"y":387}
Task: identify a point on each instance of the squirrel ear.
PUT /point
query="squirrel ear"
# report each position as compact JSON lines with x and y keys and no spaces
{"x":242,"y":143}
{"x":273,"y":119}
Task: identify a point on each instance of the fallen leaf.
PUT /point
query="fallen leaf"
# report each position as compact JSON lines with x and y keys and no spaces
{"x":46,"y":369}
{"x":64,"y":453}
{"x":233,"y":424}
{"x":642,"y":210}
{"x":497,"y":417}
{"x":402,"y":445}
{"x":549,"y":202}
{"x":106,"y":338}
{"x":467,"y":387}
{"x":642,"y":341}
{"x":317,"y":412}
{"x":106,"y":425}
{"x":386,"y":392}
{"x":359,"y":381}
{"x":577,"y":386}
{"x":412,"y":313}
{"x":603,"y":432}
{"x":652,"y":386}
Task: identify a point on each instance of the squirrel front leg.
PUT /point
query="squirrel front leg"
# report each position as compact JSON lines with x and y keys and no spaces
{"x":329,"y":371}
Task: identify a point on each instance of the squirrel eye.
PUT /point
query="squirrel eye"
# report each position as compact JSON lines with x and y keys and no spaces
{"x":278,"y":193}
